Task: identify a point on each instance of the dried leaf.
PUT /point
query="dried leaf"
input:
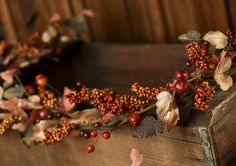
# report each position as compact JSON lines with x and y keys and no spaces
{"x":16,"y":91}
{"x":136,"y":157}
{"x":224,"y":80}
{"x":87,"y":116}
{"x":1,"y":92}
{"x":65,"y":102}
{"x":149,"y":127}
{"x":216,"y":38}
{"x":190,"y":36}
{"x":167,"y":110}
{"x":8,"y":75}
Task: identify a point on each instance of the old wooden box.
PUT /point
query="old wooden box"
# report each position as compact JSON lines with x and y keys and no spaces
{"x":208,"y":139}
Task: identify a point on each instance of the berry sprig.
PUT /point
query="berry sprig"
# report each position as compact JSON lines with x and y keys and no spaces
{"x":199,"y":54}
{"x":203,"y":94}
{"x":8,"y":122}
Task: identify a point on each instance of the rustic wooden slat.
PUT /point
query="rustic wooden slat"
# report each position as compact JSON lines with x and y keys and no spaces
{"x":158,"y":150}
{"x":6,"y":21}
{"x":61,"y":7}
{"x":20,"y":15}
{"x":232,"y":13}
{"x":196,"y":14}
{"x":157,"y":21}
{"x":77,"y":7}
{"x":224,"y":131}
{"x":138,"y":17}
{"x":111,"y":23}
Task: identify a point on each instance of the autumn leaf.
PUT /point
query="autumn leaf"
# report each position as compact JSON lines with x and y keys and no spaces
{"x":65,"y":102}
{"x":8,"y":75}
{"x":167,"y":110}
{"x":224,"y":80}
{"x":216,"y":38}
{"x":87,"y":116}
{"x":136,"y":157}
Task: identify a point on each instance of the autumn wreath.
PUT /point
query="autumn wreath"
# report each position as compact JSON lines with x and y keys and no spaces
{"x":44,"y":116}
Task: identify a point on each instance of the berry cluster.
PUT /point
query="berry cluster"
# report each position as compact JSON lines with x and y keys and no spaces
{"x":198,"y":54}
{"x":108,"y":101}
{"x":8,"y":122}
{"x":181,"y":84}
{"x":47,"y":98}
{"x":232,"y":37}
{"x":147,"y":92}
{"x":59,"y":134}
{"x":203,"y":94}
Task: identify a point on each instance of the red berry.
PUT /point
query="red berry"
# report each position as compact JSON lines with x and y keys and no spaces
{"x":106,"y":135}
{"x":97,"y":124}
{"x":90,"y":148}
{"x":86,"y":135}
{"x":94,"y":133}
{"x":188,"y":64}
{"x":43,"y":114}
{"x":30,"y":89}
{"x":181,"y":86}
{"x":181,"y":75}
{"x":41,"y":80}
{"x":135,"y":119}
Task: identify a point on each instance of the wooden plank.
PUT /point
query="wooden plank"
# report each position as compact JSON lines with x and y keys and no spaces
{"x":20,"y":15}
{"x":6,"y":21}
{"x":157,"y":151}
{"x":200,"y":15}
{"x":157,"y":21}
{"x":78,"y":9}
{"x":59,"y":6}
{"x":111,"y":23}
{"x":232,"y":13}
{"x":225,"y":134}
{"x":138,"y":17}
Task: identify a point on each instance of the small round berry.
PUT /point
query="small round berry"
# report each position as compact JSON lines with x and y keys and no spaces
{"x":97,"y":124}
{"x":49,"y":117}
{"x":30,"y":89}
{"x":94,"y":133}
{"x":181,"y":86}
{"x":43,"y":114}
{"x":135,"y":119}
{"x":86,"y":135}
{"x":58,"y":115}
{"x":41,"y":80}
{"x":90,"y":148}
{"x":181,"y":75}
{"x":188,"y":64}
{"x":106,"y":135}
{"x":82,"y":133}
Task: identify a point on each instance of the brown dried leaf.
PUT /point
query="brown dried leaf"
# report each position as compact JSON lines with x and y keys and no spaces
{"x":167,"y":110}
{"x":87,"y":116}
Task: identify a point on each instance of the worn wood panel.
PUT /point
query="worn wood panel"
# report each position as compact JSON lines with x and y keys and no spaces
{"x":6,"y":21}
{"x":157,"y":151}
{"x":195,"y":14}
{"x":111,"y":23}
{"x":119,"y":66}
{"x":138,"y":17}
{"x":20,"y":15}
{"x":225,"y":131}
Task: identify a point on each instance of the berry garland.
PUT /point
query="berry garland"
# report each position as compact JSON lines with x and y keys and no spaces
{"x":53,"y":117}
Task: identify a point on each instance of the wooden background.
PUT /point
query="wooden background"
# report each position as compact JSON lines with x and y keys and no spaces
{"x":158,"y":21}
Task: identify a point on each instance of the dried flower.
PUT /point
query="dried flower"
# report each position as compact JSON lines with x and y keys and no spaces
{"x":216,"y":38}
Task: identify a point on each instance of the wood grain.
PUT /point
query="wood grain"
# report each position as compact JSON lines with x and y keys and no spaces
{"x":111,"y":23}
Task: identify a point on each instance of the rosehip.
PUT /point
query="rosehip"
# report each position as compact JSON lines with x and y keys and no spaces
{"x":94,"y":133}
{"x":106,"y":135}
{"x":86,"y":135}
{"x":97,"y":124}
{"x":41,"y":80}
{"x":43,"y":114}
{"x":181,"y":75}
{"x":188,"y":64}
{"x":90,"y":148}
{"x":181,"y":86}
{"x":135,"y":119}
{"x":30,"y":89}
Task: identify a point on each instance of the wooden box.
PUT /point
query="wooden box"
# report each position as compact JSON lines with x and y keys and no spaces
{"x":208,"y":139}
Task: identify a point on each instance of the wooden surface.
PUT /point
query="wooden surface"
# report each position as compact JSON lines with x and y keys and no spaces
{"x":124,"y":20}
